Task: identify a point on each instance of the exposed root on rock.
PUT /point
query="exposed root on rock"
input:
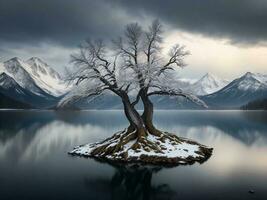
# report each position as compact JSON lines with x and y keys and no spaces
{"x":163,"y":149}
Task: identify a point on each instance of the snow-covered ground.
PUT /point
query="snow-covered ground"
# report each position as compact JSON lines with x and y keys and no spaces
{"x":181,"y":151}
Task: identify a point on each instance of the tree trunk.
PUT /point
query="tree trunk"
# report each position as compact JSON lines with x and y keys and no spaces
{"x":147,"y":115}
{"x":134,"y":118}
{"x":133,"y":145}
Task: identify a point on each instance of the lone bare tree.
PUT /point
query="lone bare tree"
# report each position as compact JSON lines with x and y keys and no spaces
{"x":133,"y":65}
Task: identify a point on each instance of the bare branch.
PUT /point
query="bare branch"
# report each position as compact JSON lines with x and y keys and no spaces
{"x":129,"y":49}
{"x":172,"y":92}
{"x":177,"y":54}
{"x":153,"y":40}
{"x":136,"y":65}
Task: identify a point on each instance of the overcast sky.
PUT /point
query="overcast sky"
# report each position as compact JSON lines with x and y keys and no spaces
{"x":225,"y":37}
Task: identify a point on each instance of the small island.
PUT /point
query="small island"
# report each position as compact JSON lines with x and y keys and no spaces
{"x":166,"y":149}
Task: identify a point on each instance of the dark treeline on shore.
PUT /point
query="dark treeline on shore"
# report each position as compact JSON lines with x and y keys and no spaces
{"x":260,"y":104}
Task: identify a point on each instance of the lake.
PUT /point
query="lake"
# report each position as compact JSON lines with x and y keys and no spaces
{"x":34,"y":163}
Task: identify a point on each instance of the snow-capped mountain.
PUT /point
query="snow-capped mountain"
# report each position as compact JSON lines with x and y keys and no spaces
{"x":14,"y":69}
{"x":7,"y":83}
{"x":208,"y":84}
{"x":240,"y":91}
{"x":35,"y":76}
{"x":252,"y":82}
{"x":46,"y":77}
{"x":9,"y":88}
{"x":249,"y":82}
{"x":32,"y":82}
{"x":237,"y":93}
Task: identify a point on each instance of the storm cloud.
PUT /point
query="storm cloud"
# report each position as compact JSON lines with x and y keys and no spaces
{"x":67,"y":21}
{"x":52,"y":29}
{"x":241,"y":21}
{"x":61,"y":21}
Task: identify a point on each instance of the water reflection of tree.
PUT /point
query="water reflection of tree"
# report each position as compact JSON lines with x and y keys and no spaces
{"x":132,"y":183}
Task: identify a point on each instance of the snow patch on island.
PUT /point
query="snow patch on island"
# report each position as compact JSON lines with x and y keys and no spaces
{"x":171,"y":151}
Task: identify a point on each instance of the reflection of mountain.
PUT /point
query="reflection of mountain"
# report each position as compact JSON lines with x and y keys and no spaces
{"x":245,"y":126}
{"x":131,"y":184}
{"x":16,"y":120}
{"x":227,"y":121}
{"x":37,"y":134}
{"x":25,"y":134}
{"x":34,"y":146}
{"x":34,"y":163}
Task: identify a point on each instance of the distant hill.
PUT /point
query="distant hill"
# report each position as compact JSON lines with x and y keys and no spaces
{"x":260,"y":104}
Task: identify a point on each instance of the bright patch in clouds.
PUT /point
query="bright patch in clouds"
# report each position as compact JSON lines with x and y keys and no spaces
{"x":217,"y":56}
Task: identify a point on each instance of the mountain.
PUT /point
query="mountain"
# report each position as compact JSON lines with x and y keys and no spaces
{"x":15,"y":69}
{"x":12,"y":90}
{"x":32,"y":82}
{"x":239,"y":92}
{"x":46,"y":77}
{"x":9,"y":87}
{"x":208,"y":84}
{"x":35,"y":83}
{"x":35,"y":75}
{"x":102,"y":102}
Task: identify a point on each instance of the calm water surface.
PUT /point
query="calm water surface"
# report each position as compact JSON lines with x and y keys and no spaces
{"x":34,"y":163}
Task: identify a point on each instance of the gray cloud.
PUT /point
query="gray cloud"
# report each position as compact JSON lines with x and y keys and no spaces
{"x":52,"y":29}
{"x":241,"y":21}
{"x":67,"y":21}
{"x":62,"y":21}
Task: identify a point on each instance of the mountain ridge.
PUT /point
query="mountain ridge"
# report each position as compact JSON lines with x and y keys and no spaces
{"x":35,"y":75}
{"x":240,"y":91}
{"x":19,"y":82}
{"x":34,"y":81}
{"x":11,"y":89}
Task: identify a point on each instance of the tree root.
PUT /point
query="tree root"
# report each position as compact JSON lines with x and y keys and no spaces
{"x":164,"y":149}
